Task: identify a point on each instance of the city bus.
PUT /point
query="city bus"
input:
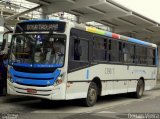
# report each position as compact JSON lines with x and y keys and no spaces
{"x":61,"y":60}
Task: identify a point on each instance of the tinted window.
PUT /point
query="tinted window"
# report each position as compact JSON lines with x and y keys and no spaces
{"x":128,"y":52}
{"x":100,"y":49}
{"x":80,"y":49}
{"x":151,"y":56}
{"x":113,"y":51}
{"x":141,"y":55}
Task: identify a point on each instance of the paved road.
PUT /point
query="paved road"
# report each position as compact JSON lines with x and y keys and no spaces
{"x":111,"y":107}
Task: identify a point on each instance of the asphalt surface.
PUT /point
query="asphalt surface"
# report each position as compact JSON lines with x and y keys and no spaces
{"x":108,"y":107}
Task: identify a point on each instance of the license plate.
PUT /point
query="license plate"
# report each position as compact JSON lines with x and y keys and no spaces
{"x":32,"y":91}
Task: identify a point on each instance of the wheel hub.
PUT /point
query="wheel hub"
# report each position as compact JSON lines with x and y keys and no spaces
{"x":92,"y":95}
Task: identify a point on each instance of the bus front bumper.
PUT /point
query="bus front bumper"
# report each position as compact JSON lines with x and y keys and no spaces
{"x":49,"y":92}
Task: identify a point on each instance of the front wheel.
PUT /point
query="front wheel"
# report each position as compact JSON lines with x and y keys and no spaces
{"x":91,"y":95}
{"x":140,"y":89}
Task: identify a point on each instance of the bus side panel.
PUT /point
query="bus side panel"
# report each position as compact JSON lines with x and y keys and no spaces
{"x":77,"y":90}
{"x":78,"y":84}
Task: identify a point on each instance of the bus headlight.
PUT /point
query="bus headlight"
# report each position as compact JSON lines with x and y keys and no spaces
{"x":60,"y":79}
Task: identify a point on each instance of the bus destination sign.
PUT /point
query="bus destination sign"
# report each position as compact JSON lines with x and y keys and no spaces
{"x":40,"y":26}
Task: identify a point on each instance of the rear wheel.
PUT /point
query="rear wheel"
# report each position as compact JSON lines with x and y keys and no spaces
{"x":91,"y":96}
{"x":140,"y":89}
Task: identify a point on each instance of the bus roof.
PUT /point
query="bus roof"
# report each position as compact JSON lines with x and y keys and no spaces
{"x":100,"y":32}
{"x":113,"y":35}
{"x":118,"y":36}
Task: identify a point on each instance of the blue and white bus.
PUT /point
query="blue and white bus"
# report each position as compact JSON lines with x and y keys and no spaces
{"x":59,"y":60}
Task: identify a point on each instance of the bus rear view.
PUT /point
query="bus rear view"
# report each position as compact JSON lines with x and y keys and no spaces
{"x":37,"y":58}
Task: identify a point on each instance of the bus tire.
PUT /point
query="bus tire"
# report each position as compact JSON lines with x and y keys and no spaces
{"x":139,"y":89}
{"x":91,"y":95}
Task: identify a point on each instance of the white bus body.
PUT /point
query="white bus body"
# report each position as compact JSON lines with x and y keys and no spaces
{"x":110,"y":77}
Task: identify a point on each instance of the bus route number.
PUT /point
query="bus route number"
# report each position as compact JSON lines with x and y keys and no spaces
{"x":109,"y":70}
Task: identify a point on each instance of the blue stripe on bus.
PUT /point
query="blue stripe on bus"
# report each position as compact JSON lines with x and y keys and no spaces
{"x":37,"y":65}
{"x":34,"y":82}
{"x":32,"y":75}
{"x":138,"y":41}
{"x":87,"y":74}
{"x":109,"y":34}
{"x":41,"y":79}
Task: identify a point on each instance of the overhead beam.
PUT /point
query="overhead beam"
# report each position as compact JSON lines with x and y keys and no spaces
{"x":22,"y":13}
{"x":96,"y":10}
{"x":108,"y":23}
{"x":9,"y":5}
{"x":42,"y":2}
{"x":98,"y":17}
{"x":117,"y":6}
{"x":144,"y":18}
{"x":125,"y":21}
{"x":66,"y":6}
{"x":138,"y":27}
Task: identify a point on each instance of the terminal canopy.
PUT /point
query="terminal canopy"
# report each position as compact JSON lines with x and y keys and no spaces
{"x":122,"y":20}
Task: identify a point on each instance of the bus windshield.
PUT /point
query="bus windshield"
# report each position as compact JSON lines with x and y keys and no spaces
{"x":38,"y":49}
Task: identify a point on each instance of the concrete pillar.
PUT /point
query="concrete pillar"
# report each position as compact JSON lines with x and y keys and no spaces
{"x":1,"y":11}
{"x":1,"y":20}
{"x":44,"y":15}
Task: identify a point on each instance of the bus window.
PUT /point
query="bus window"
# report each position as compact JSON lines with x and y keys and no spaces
{"x":140,"y":55}
{"x":113,"y":52}
{"x":151,"y":56}
{"x":80,"y":50}
{"x":125,"y":52}
{"x":100,"y":49}
{"x":128,"y":53}
{"x":120,"y":52}
{"x":77,"y":49}
{"x":38,"y":48}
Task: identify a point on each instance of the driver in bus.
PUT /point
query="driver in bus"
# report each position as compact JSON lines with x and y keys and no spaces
{"x":55,"y":52}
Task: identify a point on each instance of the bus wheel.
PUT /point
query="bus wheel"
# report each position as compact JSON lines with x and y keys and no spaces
{"x":91,"y":96}
{"x":139,"y":89}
